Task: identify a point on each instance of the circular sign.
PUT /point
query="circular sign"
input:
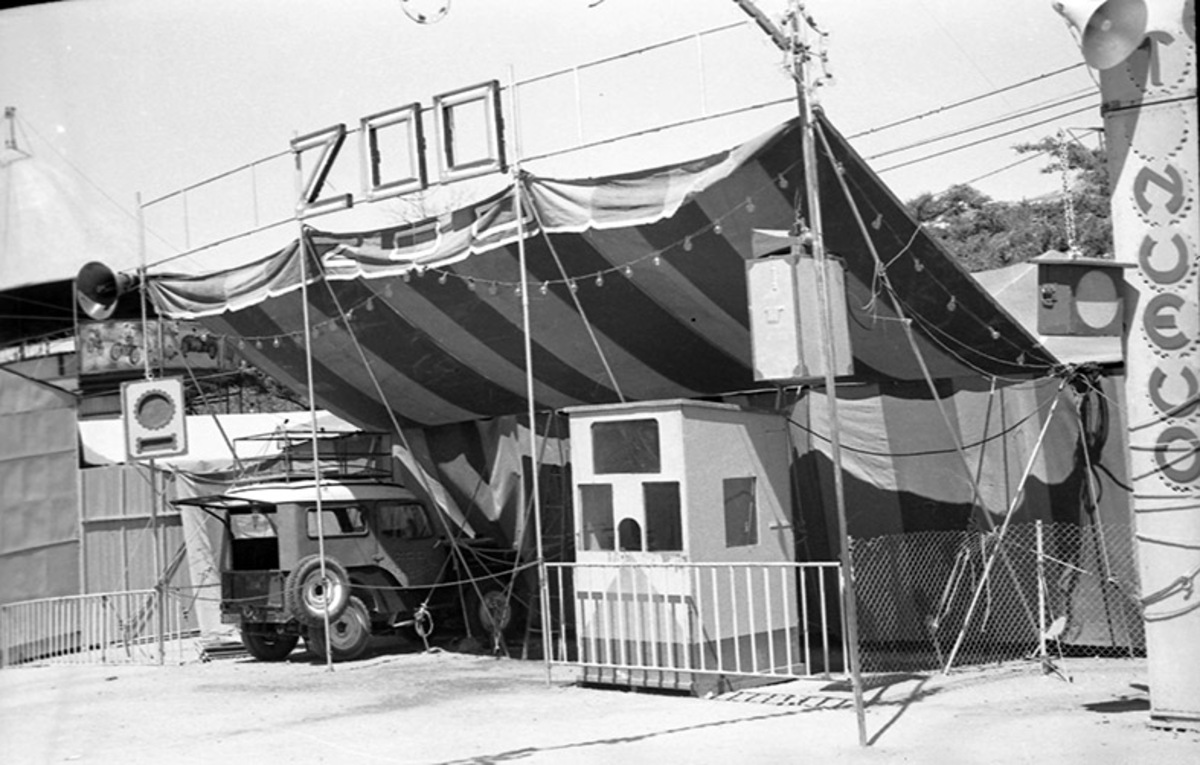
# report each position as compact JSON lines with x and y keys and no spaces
{"x":154,"y":409}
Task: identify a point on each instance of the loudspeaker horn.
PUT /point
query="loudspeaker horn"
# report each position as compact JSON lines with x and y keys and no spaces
{"x":97,"y":289}
{"x":1109,"y":30}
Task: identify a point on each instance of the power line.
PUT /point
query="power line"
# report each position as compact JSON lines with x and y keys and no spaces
{"x":1028,"y":158}
{"x":24,"y":125}
{"x":997,"y":136}
{"x":1078,"y":96}
{"x":966,"y":101}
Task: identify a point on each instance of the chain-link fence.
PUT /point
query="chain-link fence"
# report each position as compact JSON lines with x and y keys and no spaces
{"x":935,"y":600}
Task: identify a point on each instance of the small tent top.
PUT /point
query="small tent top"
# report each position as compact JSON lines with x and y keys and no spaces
{"x":52,"y":222}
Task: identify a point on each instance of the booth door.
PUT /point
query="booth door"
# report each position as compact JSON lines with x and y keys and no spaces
{"x":634,"y":603}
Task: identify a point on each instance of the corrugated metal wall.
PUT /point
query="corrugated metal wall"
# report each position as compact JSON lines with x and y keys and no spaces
{"x":119,"y":530}
{"x":39,"y":493}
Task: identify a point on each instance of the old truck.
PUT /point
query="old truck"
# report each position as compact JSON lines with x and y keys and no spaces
{"x":389,"y":561}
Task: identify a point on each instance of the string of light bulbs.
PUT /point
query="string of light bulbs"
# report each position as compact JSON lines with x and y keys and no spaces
{"x":498,"y":287}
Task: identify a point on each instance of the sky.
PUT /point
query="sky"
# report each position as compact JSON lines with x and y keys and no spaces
{"x":147,"y":97}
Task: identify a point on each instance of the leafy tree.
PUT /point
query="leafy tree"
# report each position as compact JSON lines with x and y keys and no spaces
{"x":983,"y":233}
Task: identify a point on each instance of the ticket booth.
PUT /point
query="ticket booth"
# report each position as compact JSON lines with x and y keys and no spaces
{"x":675,"y":504}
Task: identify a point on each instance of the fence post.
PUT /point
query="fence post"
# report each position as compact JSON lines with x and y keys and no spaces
{"x":1041,"y":591}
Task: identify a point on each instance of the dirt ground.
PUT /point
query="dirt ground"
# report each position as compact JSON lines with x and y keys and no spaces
{"x":409,"y":706}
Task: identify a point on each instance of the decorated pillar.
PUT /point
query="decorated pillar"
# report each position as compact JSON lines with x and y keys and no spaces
{"x":1146,"y":52}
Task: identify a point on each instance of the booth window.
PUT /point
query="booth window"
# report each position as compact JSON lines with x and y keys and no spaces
{"x":741,"y":516}
{"x":596,"y":502}
{"x":626,"y":446}
{"x":664,"y":525}
{"x":629,"y":535}
{"x":337,"y":522}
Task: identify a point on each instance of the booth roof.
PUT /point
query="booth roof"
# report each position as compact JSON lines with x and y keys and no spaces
{"x":1016,"y":288}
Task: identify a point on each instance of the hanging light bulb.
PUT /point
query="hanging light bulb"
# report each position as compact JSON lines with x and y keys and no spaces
{"x":276,"y":343}
{"x":574,"y":287}
{"x":783,"y":182}
{"x":258,"y":344}
{"x":517,"y":290}
{"x":370,"y":304}
{"x":471,"y":284}
{"x":442,"y":278}
{"x":717,"y":228}
{"x":544,"y":288}
{"x":995,"y":333}
{"x":407,"y":276}
{"x":750,"y":204}
{"x":387,"y":288}
{"x":918,"y":266}
{"x":953,"y":304}
{"x":628,"y":271}
{"x":687,"y":244}
{"x":493,"y":288}
{"x":657,"y":260}
{"x":241,"y":343}
{"x":315,"y":332}
{"x":599,"y":280}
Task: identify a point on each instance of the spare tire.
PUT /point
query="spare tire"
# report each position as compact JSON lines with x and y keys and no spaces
{"x":308,"y":596}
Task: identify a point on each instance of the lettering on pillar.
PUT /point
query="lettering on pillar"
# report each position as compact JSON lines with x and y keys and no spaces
{"x":1163,"y":194}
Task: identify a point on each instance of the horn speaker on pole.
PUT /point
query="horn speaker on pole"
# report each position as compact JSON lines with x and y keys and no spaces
{"x":97,"y":289}
{"x":1109,"y":30}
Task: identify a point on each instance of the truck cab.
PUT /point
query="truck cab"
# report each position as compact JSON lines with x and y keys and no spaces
{"x":336,"y":555}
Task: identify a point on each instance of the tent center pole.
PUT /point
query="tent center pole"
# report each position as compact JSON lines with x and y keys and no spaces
{"x":800,"y":54}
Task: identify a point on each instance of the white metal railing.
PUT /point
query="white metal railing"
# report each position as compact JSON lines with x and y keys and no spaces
{"x":778,"y":620}
{"x":105,"y":628}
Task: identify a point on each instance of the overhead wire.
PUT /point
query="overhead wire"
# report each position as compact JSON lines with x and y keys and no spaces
{"x":964,"y":102}
{"x":1077,"y":96}
{"x":986,"y":139}
{"x":24,"y":125}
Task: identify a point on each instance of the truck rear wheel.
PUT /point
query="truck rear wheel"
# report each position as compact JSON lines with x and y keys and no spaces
{"x":349,"y":634}
{"x":265,"y":645}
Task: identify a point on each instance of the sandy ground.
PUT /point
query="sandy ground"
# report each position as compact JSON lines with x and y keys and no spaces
{"x":408,"y":706}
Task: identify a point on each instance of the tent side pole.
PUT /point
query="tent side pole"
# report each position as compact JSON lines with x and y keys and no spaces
{"x":997,"y":551}
{"x":526,"y":330}
{"x":906,"y":323}
{"x":302,"y":252}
